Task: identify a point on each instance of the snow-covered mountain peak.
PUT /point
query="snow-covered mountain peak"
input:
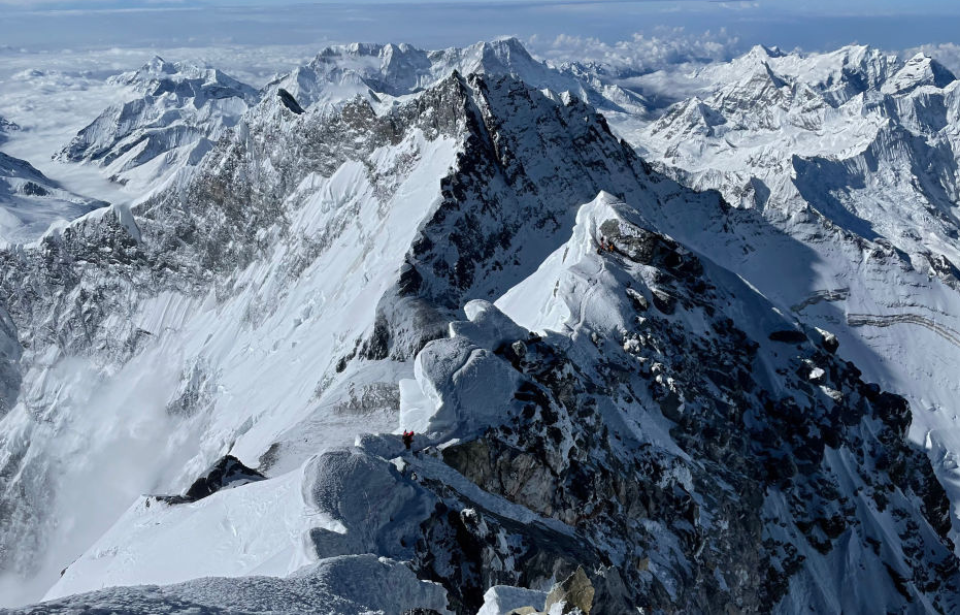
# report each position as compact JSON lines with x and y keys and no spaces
{"x":921,"y":70}
{"x":383,"y":72}
{"x":838,"y":76}
{"x":504,"y":55}
{"x":179,"y":111}
{"x":761,"y":53}
{"x":159,"y":77}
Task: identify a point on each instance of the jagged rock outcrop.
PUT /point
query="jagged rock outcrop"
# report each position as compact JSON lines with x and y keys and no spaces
{"x":573,"y":595}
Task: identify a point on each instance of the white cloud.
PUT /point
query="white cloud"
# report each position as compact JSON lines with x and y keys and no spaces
{"x":661,"y":65}
{"x":642,"y":53}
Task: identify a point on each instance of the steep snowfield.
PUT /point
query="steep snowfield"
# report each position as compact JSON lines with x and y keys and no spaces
{"x":254,"y":531}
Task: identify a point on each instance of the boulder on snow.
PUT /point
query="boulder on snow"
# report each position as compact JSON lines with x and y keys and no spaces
{"x":227,"y":472}
{"x":575,"y":592}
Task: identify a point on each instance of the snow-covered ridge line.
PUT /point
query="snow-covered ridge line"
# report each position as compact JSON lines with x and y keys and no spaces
{"x":375,"y":71}
{"x":147,"y":278}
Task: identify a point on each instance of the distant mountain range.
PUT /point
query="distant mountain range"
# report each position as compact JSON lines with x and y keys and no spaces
{"x":702,"y":354}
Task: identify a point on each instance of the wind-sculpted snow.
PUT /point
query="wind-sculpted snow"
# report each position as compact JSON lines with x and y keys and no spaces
{"x":179,"y":114}
{"x":350,"y":585}
{"x":591,"y":386}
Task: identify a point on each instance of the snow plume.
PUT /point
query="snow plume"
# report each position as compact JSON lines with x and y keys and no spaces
{"x":89,"y":489}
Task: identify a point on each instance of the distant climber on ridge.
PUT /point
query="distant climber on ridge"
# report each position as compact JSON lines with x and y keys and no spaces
{"x":408,"y":439}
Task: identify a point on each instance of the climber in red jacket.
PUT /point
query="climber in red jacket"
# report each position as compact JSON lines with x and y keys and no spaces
{"x":408,"y":439}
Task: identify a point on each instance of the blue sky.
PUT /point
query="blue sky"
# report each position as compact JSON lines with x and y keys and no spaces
{"x":810,"y":24}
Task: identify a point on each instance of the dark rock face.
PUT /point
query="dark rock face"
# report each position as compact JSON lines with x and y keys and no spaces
{"x":788,"y":337}
{"x":227,"y":472}
{"x":32,"y":189}
{"x":289,"y":101}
